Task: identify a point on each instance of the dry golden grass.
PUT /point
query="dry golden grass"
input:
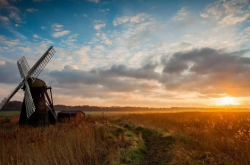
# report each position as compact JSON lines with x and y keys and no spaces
{"x":75,"y":142}
{"x":14,"y":119}
{"x":168,"y":138}
{"x":202,"y":138}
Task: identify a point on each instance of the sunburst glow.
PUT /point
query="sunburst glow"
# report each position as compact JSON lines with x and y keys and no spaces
{"x":227,"y":101}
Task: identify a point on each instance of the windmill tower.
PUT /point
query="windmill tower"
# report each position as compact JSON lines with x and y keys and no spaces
{"x":37,"y":107}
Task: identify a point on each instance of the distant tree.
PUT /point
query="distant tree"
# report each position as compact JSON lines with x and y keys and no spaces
{"x":13,"y":106}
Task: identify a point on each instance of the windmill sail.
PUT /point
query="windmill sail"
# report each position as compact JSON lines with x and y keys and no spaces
{"x":27,"y":73}
{"x":30,"y":107}
{"x":24,"y":68}
{"x":41,"y":63}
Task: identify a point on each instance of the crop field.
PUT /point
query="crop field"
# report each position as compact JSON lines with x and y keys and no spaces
{"x":148,"y":138}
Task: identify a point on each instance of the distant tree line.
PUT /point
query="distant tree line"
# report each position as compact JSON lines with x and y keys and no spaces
{"x":13,"y":106}
{"x":17,"y":105}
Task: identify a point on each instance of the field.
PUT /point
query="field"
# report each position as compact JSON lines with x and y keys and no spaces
{"x":148,"y":138}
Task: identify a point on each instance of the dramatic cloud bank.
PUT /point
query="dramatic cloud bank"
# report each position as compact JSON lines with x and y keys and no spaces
{"x":131,"y":53}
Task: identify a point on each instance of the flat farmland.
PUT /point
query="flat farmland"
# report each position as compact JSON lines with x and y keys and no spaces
{"x":131,"y":138}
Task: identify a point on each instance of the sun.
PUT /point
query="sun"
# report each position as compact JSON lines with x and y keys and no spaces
{"x":227,"y":101}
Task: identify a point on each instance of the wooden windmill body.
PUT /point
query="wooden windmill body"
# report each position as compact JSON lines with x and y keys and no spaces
{"x":43,"y":101}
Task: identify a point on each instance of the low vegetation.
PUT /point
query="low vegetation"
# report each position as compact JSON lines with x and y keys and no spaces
{"x":150,"y":138}
{"x":202,"y":138}
{"x":80,"y":141}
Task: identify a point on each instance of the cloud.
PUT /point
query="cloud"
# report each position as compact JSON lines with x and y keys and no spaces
{"x":2,"y":62}
{"x":203,"y":15}
{"x":95,"y":1}
{"x":13,"y":15}
{"x":70,"y":41}
{"x":99,"y":26}
{"x":100,"y":47}
{"x":145,"y":72}
{"x":138,"y":18}
{"x":106,"y":83}
{"x":85,"y":15}
{"x":107,"y":79}
{"x":247,"y":29}
{"x":82,"y":54}
{"x":36,"y":36}
{"x":232,"y":20}
{"x":10,"y":73}
{"x":105,"y":39}
{"x":31,"y":10}
{"x":83,"y":50}
{"x":181,"y":14}
{"x":133,"y":19}
{"x":7,"y":25}
{"x":103,"y":10}
{"x":60,"y":34}
{"x":12,"y":10}
{"x":207,"y":71}
{"x":228,"y":12}
{"x":120,"y":20}
{"x":6,"y":5}
{"x":3,"y":18}
{"x":71,"y":67}
{"x":24,"y":49}
{"x":43,"y":27}
{"x":56,"y":27}
{"x":9,"y":42}
{"x":136,"y":57}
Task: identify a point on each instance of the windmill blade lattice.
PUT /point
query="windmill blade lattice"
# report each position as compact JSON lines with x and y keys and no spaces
{"x":44,"y":61}
{"x":23,"y":67}
{"x":30,"y":107}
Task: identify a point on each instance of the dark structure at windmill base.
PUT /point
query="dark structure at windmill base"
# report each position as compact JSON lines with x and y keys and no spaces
{"x":44,"y":111}
{"x":66,"y":115}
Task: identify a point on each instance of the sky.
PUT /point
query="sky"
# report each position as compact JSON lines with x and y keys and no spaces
{"x":131,"y":52}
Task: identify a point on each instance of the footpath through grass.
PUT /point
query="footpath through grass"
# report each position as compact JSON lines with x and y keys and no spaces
{"x":193,"y":138}
{"x":156,"y":146}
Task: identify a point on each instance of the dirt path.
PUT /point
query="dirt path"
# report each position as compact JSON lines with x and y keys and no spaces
{"x":158,"y":145}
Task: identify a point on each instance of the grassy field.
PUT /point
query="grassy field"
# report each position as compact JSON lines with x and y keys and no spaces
{"x":98,"y":113}
{"x":9,"y":113}
{"x":150,"y":138}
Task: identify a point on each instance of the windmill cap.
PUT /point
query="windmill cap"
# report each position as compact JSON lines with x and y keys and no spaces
{"x":37,"y":83}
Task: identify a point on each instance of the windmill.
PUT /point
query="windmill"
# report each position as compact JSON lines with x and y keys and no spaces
{"x":37,"y":107}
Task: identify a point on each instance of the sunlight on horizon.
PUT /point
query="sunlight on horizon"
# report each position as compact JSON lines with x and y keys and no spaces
{"x":227,"y":101}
